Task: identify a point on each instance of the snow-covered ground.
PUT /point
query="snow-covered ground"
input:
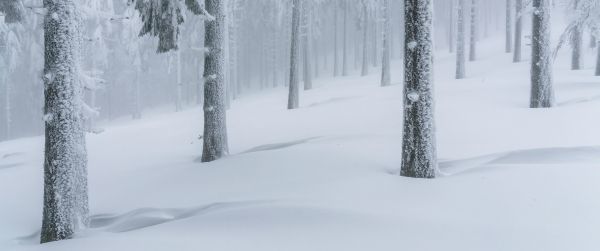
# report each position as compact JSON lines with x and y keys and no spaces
{"x":324,"y":177}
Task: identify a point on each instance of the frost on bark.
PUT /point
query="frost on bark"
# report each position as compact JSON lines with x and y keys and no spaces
{"x":460,"y":43}
{"x":542,"y":93}
{"x":518,"y":30}
{"x":65,"y":163}
{"x":385,"y":69}
{"x":418,"y":148}
{"x":474,"y":27}
{"x":13,"y":10}
{"x":215,"y":129}
{"x":508,"y":46}
{"x":294,"y":86}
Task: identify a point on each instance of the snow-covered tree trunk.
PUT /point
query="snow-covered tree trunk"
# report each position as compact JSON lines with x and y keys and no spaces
{"x":179,"y":84}
{"x":365,"y":42}
{"x":7,"y":106}
{"x":376,"y":33}
{"x":215,"y":126}
{"x":65,"y":163}
{"x":452,"y":26}
{"x":598,"y":61}
{"x":336,"y":64}
{"x":460,"y":42}
{"x":518,"y":30}
{"x":385,"y":69}
{"x":474,"y":27}
{"x":307,"y":68}
{"x":418,"y":147}
{"x":345,"y":53}
{"x":294,"y":91}
{"x":577,"y":46}
{"x":137,"y":95}
{"x":509,"y":24}
{"x":542,"y":93}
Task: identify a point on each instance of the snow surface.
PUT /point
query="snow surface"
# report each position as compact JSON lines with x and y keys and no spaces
{"x":324,"y":177}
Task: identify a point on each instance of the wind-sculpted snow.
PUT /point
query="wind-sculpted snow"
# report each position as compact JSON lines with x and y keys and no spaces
{"x":534,"y":185}
{"x":524,"y":158}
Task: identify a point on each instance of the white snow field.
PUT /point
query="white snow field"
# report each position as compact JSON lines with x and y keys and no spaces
{"x":325,"y":176}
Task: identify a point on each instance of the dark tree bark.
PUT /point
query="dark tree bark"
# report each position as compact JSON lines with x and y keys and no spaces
{"x":215,"y":126}
{"x":418,"y":148}
{"x":65,"y":163}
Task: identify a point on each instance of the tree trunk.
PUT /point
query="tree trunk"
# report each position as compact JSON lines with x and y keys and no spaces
{"x":509,"y":24}
{"x":418,"y":148}
{"x":294,"y":93}
{"x":336,"y":66}
{"x":306,"y":44}
{"x":65,"y":163}
{"x":577,"y":45}
{"x":7,"y":107}
{"x":215,"y":127}
{"x":518,"y":30}
{"x":452,"y":27}
{"x":365,"y":44}
{"x":460,"y":43}
{"x":542,"y":93}
{"x":598,"y":61}
{"x":137,"y":99}
{"x":385,"y":72}
{"x":179,"y":87}
{"x":474,"y":27}
{"x":345,"y":41}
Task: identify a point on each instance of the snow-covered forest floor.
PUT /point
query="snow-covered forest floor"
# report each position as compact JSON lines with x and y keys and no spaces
{"x":324,"y":177}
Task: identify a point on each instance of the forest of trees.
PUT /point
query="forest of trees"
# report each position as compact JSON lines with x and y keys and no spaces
{"x":212,"y":51}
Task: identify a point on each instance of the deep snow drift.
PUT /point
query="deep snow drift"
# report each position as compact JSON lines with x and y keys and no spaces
{"x":324,"y":177}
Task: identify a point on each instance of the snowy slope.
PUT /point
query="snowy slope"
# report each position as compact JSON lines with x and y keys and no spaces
{"x":324,"y":177}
